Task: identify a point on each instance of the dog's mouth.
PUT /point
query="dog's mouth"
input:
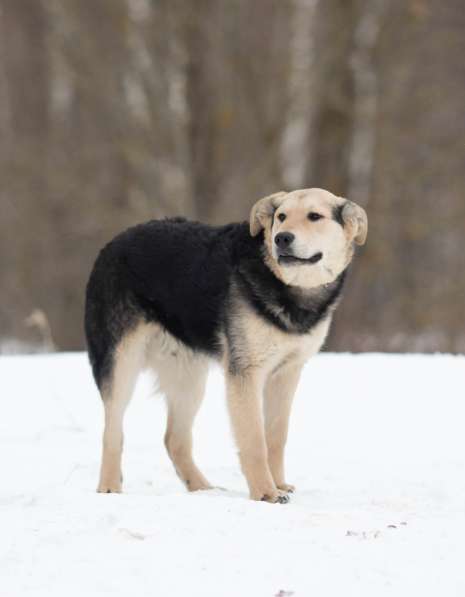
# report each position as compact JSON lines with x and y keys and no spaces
{"x":293,"y":260}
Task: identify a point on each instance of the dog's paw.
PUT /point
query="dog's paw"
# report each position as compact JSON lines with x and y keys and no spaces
{"x":275,"y":497}
{"x":198,"y":486}
{"x":197,"y":482}
{"x":109,"y":488}
{"x":286,"y":487}
{"x":281,"y":497}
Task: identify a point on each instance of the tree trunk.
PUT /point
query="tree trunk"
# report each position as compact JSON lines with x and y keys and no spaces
{"x":237,"y":88}
{"x":25,"y":244}
{"x":409,"y":290}
{"x":332,"y":101}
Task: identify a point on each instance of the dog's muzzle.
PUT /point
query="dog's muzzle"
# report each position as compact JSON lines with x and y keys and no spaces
{"x":283,"y":242}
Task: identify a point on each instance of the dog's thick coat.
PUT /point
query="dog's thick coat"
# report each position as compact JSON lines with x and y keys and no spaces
{"x":171,"y":295}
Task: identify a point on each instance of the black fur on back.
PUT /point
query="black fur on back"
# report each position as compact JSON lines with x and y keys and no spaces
{"x":179,"y":273}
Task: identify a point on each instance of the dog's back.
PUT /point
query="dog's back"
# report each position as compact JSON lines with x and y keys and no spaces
{"x":173,"y":272}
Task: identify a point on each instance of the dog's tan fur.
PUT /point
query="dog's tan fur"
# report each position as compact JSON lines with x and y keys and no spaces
{"x":181,"y":374}
{"x":268,"y":360}
{"x":326,"y":234}
{"x":129,"y":359}
{"x":260,"y":397}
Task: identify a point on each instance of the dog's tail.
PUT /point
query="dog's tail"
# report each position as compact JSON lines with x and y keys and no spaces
{"x":109,"y":312}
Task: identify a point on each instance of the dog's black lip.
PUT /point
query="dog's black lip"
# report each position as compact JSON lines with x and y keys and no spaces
{"x":293,"y":260}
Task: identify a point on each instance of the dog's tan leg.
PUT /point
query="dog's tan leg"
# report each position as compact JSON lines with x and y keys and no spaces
{"x":182,"y":379}
{"x":128,"y":361}
{"x":279,"y":394}
{"x":244,"y":394}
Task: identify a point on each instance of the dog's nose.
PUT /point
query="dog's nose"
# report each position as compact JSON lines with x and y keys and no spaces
{"x":284,"y":239}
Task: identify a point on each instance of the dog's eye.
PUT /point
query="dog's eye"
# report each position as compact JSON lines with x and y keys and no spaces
{"x":313,"y":216}
{"x":282,"y":217}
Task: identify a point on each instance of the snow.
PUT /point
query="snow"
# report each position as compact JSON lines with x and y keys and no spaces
{"x":376,"y":449}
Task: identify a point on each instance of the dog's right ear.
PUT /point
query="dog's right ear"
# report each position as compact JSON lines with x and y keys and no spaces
{"x":263,"y":210}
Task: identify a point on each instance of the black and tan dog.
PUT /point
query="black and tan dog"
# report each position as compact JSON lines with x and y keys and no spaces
{"x":171,"y":295}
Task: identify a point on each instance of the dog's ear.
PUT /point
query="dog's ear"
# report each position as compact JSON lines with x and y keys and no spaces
{"x":356,"y":220}
{"x":263,"y":210}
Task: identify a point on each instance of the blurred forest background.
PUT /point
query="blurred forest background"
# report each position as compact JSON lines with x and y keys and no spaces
{"x":116,"y":111}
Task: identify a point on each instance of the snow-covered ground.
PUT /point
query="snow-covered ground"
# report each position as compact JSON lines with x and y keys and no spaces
{"x":376,"y":449}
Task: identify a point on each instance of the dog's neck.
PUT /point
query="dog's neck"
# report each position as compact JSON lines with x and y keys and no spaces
{"x":308,"y":298}
{"x":292,"y":309}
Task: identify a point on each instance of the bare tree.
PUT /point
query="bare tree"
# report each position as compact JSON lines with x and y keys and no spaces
{"x":332,"y":103}
{"x":24,"y":161}
{"x":410,"y":285}
{"x":237,"y":92}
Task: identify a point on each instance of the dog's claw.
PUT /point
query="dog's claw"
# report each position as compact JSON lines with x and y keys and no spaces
{"x":109,"y":488}
{"x":281,"y":498}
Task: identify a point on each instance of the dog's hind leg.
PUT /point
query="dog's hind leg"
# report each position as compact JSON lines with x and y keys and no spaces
{"x":181,"y":378}
{"x":128,"y":360}
{"x":184,"y":396}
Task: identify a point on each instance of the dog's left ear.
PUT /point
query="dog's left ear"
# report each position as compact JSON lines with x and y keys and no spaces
{"x":355,"y":218}
{"x":263,"y":210}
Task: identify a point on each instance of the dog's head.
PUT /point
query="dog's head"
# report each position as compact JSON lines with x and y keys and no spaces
{"x":309,"y":234}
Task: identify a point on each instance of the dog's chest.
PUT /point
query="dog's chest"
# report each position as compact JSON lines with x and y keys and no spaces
{"x":255,"y":342}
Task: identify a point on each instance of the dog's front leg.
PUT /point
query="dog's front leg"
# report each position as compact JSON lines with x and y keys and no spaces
{"x":244,"y":393}
{"x":279,"y":394}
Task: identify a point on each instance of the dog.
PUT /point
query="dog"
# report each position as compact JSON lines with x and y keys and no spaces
{"x":171,"y":295}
